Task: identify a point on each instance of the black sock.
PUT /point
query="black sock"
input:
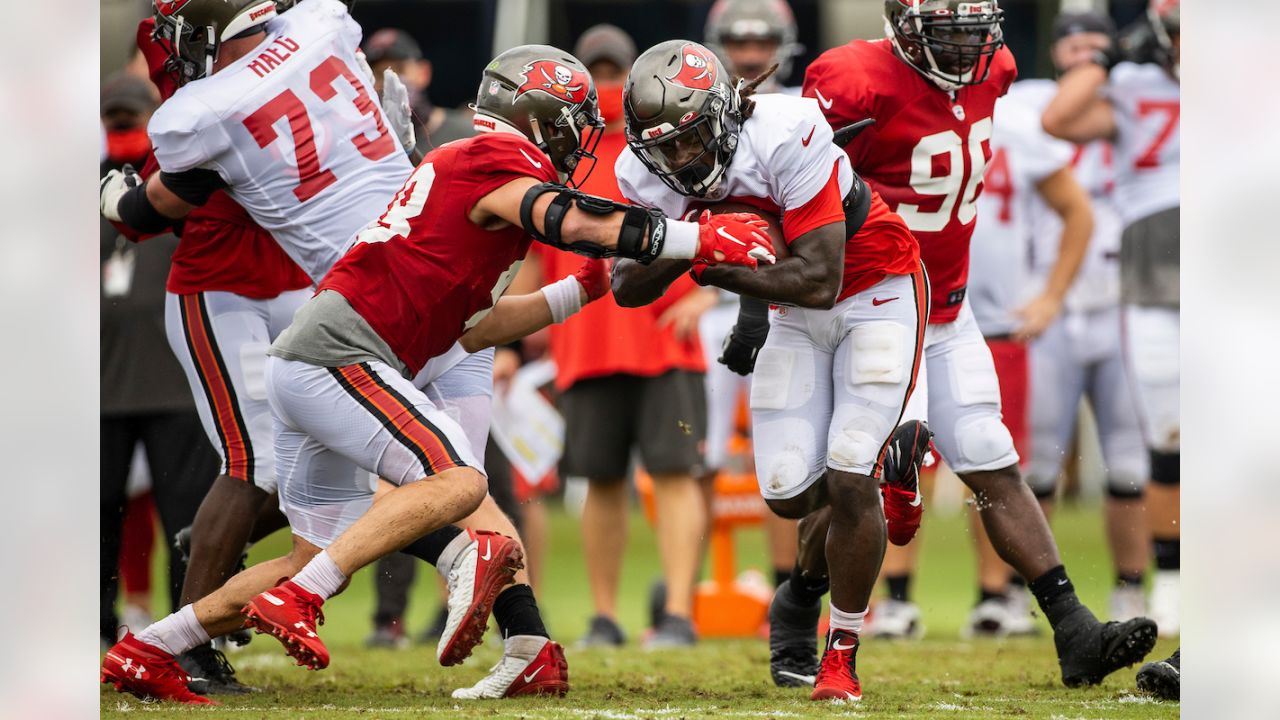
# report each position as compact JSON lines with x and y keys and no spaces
{"x":899,"y":587}
{"x":516,"y":612}
{"x":985,"y":595}
{"x":1055,"y":594}
{"x":780,"y":575}
{"x":1167,"y":554}
{"x":1128,"y":579}
{"x":428,"y":547}
{"x":806,"y":590}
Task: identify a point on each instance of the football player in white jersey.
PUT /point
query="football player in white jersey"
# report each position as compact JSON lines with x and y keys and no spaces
{"x":1137,"y":105}
{"x":750,"y":36}
{"x":1017,"y":291}
{"x":832,"y":380}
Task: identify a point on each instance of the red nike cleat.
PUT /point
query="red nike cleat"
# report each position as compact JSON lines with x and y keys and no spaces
{"x":478,"y":574}
{"x":838,"y":676}
{"x":903,"y":502}
{"x":546,"y":674}
{"x":290,"y":614}
{"x":148,"y":673}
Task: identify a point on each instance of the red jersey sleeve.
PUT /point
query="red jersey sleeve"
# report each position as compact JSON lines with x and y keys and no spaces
{"x":499,"y":158}
{"x":1004,"y":70}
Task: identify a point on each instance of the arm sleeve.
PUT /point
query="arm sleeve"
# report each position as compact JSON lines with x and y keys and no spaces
{"x":195,"y":185}
{"x":753,"y":318}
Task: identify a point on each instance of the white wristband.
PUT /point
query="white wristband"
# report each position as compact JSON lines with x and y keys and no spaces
{"x":682,"y":240}
{"x":564,"y":297}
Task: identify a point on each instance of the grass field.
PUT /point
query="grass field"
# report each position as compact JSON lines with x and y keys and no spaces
{"x":938,"y":677}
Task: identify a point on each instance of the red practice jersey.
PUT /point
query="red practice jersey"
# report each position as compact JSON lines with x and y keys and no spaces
{"x":423,"y":273}
{"x":221,"y":247}
{"x":925,"y":154}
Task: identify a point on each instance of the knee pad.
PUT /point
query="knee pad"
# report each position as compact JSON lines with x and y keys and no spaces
{"x":984,"y":443}
{"x":855,"y":445}
{"x":1166,"y":468}
{"x":784,"y":472}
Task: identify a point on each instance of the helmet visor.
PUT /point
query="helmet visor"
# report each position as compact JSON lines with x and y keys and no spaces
{"x":687,"y":155}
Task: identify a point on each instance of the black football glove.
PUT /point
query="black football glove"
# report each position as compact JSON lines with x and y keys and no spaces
{"x":743,"y":343}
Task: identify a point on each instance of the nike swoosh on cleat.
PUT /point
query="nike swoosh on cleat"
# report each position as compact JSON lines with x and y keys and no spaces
{"x":917,"y":501}
{"x":534,"y":674}
{"x":272,"y":599}
{"x":487,"y":547}
{"x":837,"y":646}
{"x":825,"y":103}
{"x":807,"y":679}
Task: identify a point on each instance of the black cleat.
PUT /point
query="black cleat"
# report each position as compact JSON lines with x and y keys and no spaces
{"x":604,"y":632}
{"x":793,"y":639}
{"x":1163,"y":678}
{"x":1088,"y":650}
{"x":210,"y":672}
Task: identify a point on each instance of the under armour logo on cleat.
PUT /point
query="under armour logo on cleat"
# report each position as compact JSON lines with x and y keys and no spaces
{"x":137,"y":670}
{"x":272,"y":599}
{"x":303,"y":626}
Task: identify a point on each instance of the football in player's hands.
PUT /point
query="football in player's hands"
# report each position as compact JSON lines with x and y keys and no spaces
{"x":734,"y":239}
{"x":593,"y":276}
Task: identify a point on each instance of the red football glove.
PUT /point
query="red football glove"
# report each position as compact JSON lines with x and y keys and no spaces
{"x":593,"y":276}
{"x":734,"y":239}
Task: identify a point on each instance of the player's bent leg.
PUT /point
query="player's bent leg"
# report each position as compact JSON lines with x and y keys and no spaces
{"x":797,"y":603}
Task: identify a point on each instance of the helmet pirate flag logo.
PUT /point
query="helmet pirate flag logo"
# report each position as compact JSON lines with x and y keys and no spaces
{"x":697,"y":69}
{"x":554,"y":79}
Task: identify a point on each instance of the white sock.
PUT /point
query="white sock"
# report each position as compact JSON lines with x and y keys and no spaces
{"x":449,"y":555}
{"x":176,"y":633}
{"x":321,"y":576}
{"x":847,"y":621}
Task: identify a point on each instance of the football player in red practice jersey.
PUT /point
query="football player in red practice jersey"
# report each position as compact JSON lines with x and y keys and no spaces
{"x":425,"y":275}
{"x":931,"y":87}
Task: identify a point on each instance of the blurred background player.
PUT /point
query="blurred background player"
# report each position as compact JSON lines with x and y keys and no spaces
{"x":1081,"y":355}
{"x":395,"y":49}
{"x":1018,"y":284}
{"x":1137,"y":106}
{"x":932,"y":86}
{"x":750,"y":36}
{"x":630,"y":380}
{"x":147,"y":413}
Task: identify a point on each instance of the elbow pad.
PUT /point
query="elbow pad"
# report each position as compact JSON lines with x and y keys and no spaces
{"x":857,"y":204}
{"x":637,"y":224}
{"x":137,"y":212}
{"x":194,"y":186}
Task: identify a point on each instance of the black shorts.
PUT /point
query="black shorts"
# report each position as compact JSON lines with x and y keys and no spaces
{"x":664,"y":418}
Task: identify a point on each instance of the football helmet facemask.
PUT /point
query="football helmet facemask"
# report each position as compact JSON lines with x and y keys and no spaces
{"x":192,"y":31}
{"x":682,"y":116}
{"x":951,"y":42}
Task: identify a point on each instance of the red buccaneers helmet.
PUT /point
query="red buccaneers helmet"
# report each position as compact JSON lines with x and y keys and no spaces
{"x":951,"y":42}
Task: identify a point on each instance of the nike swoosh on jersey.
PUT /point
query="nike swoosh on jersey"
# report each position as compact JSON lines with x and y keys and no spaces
{"x":537,"y":164}
{"x":534,"y":674}
{"x":878,"y":302}
{"x":721,"y":232}
{"x":805,"y":142}
{"x":825,"y":103}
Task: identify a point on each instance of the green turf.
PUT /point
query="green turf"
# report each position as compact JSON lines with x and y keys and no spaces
{"x":939,"y":677}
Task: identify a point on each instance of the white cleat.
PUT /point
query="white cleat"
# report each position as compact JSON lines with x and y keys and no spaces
{"x":530,"y":665}
{"x":1165,"y":602}
{"x":894,"y":619}
{"x":485,"y":563}
{"x":1021,"y":621}
{"x":990,"y":619}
